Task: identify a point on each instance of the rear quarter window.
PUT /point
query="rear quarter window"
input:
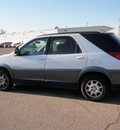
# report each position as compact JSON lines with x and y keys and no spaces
{"x":106,"y":42}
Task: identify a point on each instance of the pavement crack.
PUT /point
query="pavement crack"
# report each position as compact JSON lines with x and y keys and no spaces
{"x":83,"y":107}
{"x":116,"y":121}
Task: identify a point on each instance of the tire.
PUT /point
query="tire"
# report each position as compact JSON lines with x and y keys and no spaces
{"x":94,"y":88}
{"x":5,"y":81}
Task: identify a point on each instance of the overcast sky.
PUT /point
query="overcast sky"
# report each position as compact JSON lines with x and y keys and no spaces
{"x":26,"y":15}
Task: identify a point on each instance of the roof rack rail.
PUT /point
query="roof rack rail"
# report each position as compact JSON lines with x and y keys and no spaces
{"x":82,"y":32}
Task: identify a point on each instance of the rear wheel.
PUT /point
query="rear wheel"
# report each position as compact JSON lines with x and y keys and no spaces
{"x":5,"y":81}
{"x":94,"y":88}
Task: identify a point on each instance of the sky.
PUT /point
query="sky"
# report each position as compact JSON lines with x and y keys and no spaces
{"x":27,"y":15}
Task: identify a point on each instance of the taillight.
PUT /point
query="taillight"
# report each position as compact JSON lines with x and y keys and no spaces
{"x":115,"y":54}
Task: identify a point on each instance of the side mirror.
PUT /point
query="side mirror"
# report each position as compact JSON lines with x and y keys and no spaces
{"x":17,"y":51}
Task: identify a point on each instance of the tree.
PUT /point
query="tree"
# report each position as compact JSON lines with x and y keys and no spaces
{"x":56,"y":27}
{"x":2,"y":31}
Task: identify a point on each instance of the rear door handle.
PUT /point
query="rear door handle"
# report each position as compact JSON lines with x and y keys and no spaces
{"x":41,"y":59}
{"x":79,"y":57}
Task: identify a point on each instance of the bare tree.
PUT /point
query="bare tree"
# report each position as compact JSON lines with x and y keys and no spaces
{"x":56,"y":27}
{"x":2,"y":31}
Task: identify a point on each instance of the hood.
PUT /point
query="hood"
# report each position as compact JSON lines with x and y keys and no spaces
{"x":5,"y":59}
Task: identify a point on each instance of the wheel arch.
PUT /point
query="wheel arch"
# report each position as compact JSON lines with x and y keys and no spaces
{"x":7,"y":69}
{"x":99,"y":73}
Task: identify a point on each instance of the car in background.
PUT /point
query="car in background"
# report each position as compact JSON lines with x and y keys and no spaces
{"x":1,"y":45}
{"x":15,"y":44}
{"x":5,"y":44}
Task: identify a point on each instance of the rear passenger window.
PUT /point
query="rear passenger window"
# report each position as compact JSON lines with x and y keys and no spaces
{"x":64,"y":45}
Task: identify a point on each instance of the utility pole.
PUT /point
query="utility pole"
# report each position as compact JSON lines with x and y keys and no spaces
{"x":118,"y":26}
{"x":87,"y":24}
{"x":118,"y":21}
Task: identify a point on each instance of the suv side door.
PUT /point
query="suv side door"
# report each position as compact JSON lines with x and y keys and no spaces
{"x":28,"y":67}
{"x":64,"y":60}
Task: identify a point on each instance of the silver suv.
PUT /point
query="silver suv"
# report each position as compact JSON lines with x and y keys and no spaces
{"x":89,"y":61}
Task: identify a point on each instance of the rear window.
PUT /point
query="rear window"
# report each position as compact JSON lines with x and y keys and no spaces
{"x":106,"y":42}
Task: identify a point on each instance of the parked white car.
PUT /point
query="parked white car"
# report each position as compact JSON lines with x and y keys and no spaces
{"x":15,"y":44}
{"x":89,"y":61}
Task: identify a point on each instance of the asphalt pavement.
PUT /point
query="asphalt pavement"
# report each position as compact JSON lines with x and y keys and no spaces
{"x":6,"y":50}
{"x":39,"y":108}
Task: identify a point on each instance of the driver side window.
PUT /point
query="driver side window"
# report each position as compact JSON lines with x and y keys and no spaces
{"x":34,"y":47}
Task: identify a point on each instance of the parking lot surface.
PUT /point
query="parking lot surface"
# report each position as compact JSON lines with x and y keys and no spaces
{"x":39,"y":108}
{"x":6,"y":50}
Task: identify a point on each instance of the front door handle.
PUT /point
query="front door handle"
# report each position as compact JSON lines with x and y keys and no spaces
{"x":79,"y":57}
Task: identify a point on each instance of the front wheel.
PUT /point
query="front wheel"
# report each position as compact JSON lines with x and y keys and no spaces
{"x":94,"y":88}
{"x":5,"y":81}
